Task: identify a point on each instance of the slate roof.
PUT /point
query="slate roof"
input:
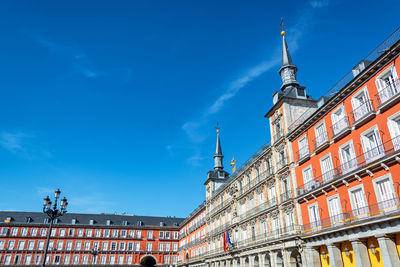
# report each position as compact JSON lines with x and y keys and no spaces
{"x":18,"y":217}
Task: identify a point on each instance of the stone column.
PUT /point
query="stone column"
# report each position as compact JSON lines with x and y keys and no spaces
{"x":389,"y":251}
{"x":312,"y":256}
{"x":251,"y":260}
{"x":273,"y":258}
{"x":286,"y":258}
{"x":335,"y":255}
{"x":241,"y":261}
{"x":228,"y":263}
{"x":261,"y":260}
{"x":235,"y":262}
{"x":360,"y":253}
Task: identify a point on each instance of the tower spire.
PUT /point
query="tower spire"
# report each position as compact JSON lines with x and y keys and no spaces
{"x":288,"y":69}
{"x":218,"y":157}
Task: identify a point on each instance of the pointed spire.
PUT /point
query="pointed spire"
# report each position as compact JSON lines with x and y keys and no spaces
{"x":218,"y":157}
{"x":286,"y":58}
{"x":288,"y":69}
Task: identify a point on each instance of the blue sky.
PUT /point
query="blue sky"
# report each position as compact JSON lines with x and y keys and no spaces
{"x":115,"y":102}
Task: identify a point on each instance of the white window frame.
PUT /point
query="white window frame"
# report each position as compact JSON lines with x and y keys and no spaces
{"x":315,"y":225}
{"x":378,"y":80}
{"x":364,"y":91}
{"x":379,"y":149}
{"x":317,"y":135}
{"x":340,"y":107}
{"x":325,"y":175}
{"x":309,"y":185}
{"x":388,"y":204}
{"x":348,"y":143}
{"x":395,"y":138}
{"x":365,"y":210}
{"x":338,"y":218}
{"x":305,"y":149}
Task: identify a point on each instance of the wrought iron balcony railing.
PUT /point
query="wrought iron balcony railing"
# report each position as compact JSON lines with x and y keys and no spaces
{"x":391,"y":91}
{"x":351,"y":165}
{"x":320,"y":142}
{"x":340,"y":127}
{"x":362,"y":112}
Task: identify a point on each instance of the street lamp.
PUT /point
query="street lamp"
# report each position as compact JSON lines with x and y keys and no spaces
{"x":53,"y":213}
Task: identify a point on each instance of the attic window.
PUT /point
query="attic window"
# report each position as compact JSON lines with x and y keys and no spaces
{"x":162,"y":223}
{"x":139,"y":223}
{"x":125,"y":223}
{"x":301,"y":92}
{"x":73,"y":221}
{"x":91,"y":221}
{"x":56,"y":220}
{"x":28,"y":219}
{"x":176,"y":224}
{"x":46,"y":220}
{"x":108,"y":222}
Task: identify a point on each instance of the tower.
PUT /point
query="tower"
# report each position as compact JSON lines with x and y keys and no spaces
{"x":218,"y":176}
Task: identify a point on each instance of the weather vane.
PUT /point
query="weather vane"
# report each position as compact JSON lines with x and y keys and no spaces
{"x":282,"y":28}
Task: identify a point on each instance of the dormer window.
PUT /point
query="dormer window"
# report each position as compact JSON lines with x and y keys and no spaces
{"x":56,"y":221}
{"x":125,"y":223}
{"x":28,"y":219}
{"x":108,"y":222}
{"x":162,"y":223}
{"x":139,"y":223}
{"x":301,"y":92}
{"x":46,"y":220}
{"x":91,"y":221}
{"x":73,"y":221}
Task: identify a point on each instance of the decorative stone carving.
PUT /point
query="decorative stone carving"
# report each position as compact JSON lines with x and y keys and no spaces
{"x":250,"y":195}
{"x":260,"y":189}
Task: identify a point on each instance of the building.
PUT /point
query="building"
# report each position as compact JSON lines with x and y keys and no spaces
{"x":347,"y":167}
{"x":192,"y":237}
{"x":89,"y":239}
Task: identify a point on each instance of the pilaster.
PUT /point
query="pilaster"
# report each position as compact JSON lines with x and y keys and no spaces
{"x":335,"y":255}
{"x":389,"y":251}
{"x":312,"y":256}
{"x":360,"y":253}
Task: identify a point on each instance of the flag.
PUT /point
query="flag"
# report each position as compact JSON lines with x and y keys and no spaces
{"x":228,"y":240}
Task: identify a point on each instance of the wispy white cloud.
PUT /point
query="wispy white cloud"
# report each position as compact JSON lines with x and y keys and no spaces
{"x":22,"y":144}
{"x":94,"y":202}
{"x":72,"y":54}
{"x":193,"y":127}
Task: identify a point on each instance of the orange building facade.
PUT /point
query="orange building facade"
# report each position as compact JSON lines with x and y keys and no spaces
{"x":192,"y":238}
{"x":347,"y":166}
{"x":89,"y":239}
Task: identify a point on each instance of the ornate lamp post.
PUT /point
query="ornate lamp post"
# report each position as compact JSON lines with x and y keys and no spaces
{"x":53,"y":213}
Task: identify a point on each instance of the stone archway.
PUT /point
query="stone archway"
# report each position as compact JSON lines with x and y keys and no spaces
{"x":267,"y":260}
{"x":148,"y":261}
{"x":256,"y":261}
{"x":295,"y":259}
{"x":279,"y":259}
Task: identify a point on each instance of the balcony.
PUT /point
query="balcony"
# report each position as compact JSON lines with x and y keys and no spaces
{"x":340,"y":128}
{"x":282,"y":163}
{"x":286,"y":196}
{"x":351,"y":166}
{"x":388,"y":96}
{"x":320,"y":142}
{"x":364,"y":113}
{"x":366,"y":213}
{"x":278,"y":135}
{"x":303,"y":155}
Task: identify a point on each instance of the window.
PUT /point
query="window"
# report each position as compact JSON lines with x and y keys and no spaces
{"x":149,"y":234}
{"x":167,"y":246}
{"x":14,"y":231}
{"x":87,"y":246}
{"x":388,"y":84}
{"x":7,"y":259}
{"x":2,"y":242}
{"x":80,"y":232}
{"x":123,"y":233}
{"x":339,"y":120}
{"x":105,"y":246}
{"x":174,"y":259}
{"x":303,"y":147}
{"x":21,"y":245}
{"x":138,"y":234}
{"x":160,"y":246}
{"x":394,"y":129}
{"x":62,"y":232}
{"x":31,"y":245}
{"x":24,"y":231}
{"x":335,"y":209}
{"x":112,"y":259}
{"x":85,"y":259}
{"x":71,"y":232}
{"x":67,"y":259}
{"x":97,"y":233}
{"x":358,"y":201}
{"x":108,"y":222}
{"x":122,"y":246}
{"x":149,"y":246}
{"x":17,"y":259}
{"x":75,"y":259}
{"x":347,"y":157}
{"x":53,"y":232}
{"x":57,"y":259}
{"x":271,"y":194}
{"x":28,"y":259}
{"x":40,"y":245}
{"x":161,"y":235}
{"x":78,"y":245}
{"x":321,"y":135}
{"x":51,"y":244}
{"x":60,"y":245}
{"x":175,"y":246}
{"x":132,"y":233}
{"x":137,"y":246}
{"x":313,"y":214}
{"x":308,"y":179}
{"x":69,"y":245}
{"x":384,"y":191}
{"x":106,"y":233}
{"x":115,"y":233}
{"x":121,"y":259}
{"x":34,"y":231}
{"x":38,"y":259}
{"x":327,"y":168}
{"x":130,"y":246}
{"x":129,"y":259}
{"x":372,"y":145}
{"x":11,"y":245}
{"x":166,"y":259}
{"x":103,"y":259}
{"x":113,"y":246}
{"x":361,"y":104}
{"x":89,"y":232}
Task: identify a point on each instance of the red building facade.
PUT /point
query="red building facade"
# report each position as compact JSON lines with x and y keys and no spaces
{"x":192,"y":238}
{"x":89,"y":239}
{"x":348,"y":171}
